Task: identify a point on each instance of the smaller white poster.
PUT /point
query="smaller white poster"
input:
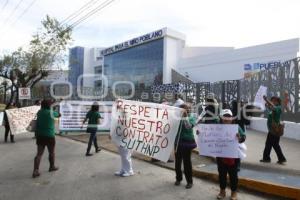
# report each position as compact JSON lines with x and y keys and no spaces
{"x":259,"y":97}
{"x":218,"y":140}
{"x":74,"y":112}
{"x":24,"y":93}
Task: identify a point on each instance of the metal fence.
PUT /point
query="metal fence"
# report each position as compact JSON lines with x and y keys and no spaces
{"x":282,"y":81}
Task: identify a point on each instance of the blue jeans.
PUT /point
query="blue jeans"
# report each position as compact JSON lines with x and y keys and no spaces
{"x":93,"y":139}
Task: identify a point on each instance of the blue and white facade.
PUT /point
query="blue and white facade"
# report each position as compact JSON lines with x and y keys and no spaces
{"x":145,"y":60}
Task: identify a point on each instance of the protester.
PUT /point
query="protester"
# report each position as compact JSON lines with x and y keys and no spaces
{"x":178,"y":103}
{"x":178,"y":100}
{"x":211,"y":112}
{"x":165,"y":102}
{"x":184,"y":146}
{"x":240,"y":119}
{"x":36,"y":103}
{"x":237,"y":111}
{"x":45,"y":136}
{"x":7,"y":127}
{"x":274,"y":115}
{"x":229,"y":165}
{"x":93,"y":116}
{"x":126,"y":162}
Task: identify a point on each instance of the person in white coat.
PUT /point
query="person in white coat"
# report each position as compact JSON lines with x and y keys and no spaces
{"x":178,"y":100}
{"x":126,"y":163}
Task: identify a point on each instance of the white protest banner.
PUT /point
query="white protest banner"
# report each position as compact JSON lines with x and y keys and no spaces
{"x":1,"y":117}
{"x":20,"y":118}
{"x":259,"y":97}
{"x":74,"y":112}
{"x":146,"y":128}
{"x":218,"y":140}
{"x":24,"y":93}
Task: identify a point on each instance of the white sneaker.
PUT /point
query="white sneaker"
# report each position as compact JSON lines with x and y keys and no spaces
{"x":119,"y":173}
{"x":126,"y":174}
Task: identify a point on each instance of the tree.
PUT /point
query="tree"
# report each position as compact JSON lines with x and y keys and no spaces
{"x":47,"y":48}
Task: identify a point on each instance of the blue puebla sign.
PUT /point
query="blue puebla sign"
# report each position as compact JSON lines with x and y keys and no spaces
{"x":135,"y":41}
{"x":251,"y":69}
{"x":262,"y":66}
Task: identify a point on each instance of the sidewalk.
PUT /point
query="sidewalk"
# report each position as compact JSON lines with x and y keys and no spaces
{"x":81,"y":177}
{"x":271,"y":178}
{"x":256,"y":142}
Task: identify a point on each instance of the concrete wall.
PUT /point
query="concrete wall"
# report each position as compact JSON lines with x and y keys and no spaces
{"x":172,"y":52}
{"x":291,"y":128}
{"x":229,"y":65}
{"x":189,"y":52}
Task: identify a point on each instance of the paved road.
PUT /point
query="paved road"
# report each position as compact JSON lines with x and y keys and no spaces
{"x":83,"y":177}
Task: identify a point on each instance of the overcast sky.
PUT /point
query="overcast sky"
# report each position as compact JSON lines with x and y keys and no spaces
{"x":237,"y":23}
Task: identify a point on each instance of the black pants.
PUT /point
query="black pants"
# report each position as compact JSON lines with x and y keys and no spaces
{"x":223,"y":170}
{"x":273,"y":141}
{"x":185,"y":155}
{"x":43,"y":142}
{"x":7,"y":131}
{"x":93,"y":139}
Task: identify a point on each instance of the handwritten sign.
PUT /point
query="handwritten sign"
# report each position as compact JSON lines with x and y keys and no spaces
{"x":147,"y":128}
{"x":218,"y":140}
{"x":20,"y":118}
{"x":259,"y":100}
{"x":74,"y":112}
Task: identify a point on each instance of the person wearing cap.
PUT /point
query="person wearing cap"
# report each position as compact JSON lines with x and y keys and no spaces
{"x":93,"y":117}
{"x":274,"y":107}
{"x":184,"y":146}
{"x":229,"y":165}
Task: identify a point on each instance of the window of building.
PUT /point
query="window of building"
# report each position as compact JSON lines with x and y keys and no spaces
{"x":98,"y":84}
{"x":142,"y":65}
{"x":98,"y":69}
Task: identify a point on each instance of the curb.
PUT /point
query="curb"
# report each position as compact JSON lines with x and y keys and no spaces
{"x":260,"y":167}
{"x":269,"y":168}
{"x":246,"y":183}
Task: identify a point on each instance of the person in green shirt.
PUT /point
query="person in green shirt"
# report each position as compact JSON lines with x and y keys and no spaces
{"x":45,"y":136}
{"x":185,"y":143}
{"x":274,"y":108}
{"x":93,"y":117}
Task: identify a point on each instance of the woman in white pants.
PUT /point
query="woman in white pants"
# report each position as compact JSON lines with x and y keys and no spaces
{"x":126,"y":163}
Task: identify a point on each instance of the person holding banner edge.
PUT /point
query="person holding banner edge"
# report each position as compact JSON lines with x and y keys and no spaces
{"x":183,"y":149}
{"x":274,"y":107}
{"x":93,"y":117}
{"x":125,"y":155}
{"x":7,"y":127}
